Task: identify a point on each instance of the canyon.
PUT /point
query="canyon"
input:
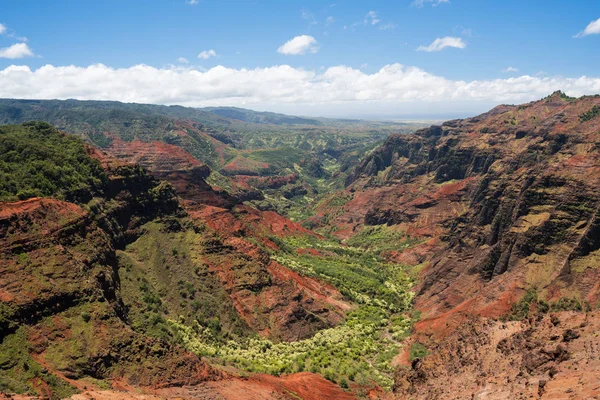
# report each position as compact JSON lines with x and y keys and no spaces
{"x":226,"y":254}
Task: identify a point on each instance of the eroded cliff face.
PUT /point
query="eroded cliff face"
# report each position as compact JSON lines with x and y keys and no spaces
{"x":63,"y":316}
{"x":503,"y":202}
{"x":504,"y":205}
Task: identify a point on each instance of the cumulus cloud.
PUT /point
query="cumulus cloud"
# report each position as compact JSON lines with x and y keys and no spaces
{"x":593,"y":28}
{"x":510,"y":69}
{"x":339,"y":90}
{"x":371,"y":18}
{"x":441,"y":43}
{"x":2,"y":29}
{"x":206,"y":54}
{"x":182,"y":60}
{"x":17,"y":50}
{"x":330,"y":20}
{"x":299,"y":45}
{"x":435,"y":3}
{"x":192,"y":2}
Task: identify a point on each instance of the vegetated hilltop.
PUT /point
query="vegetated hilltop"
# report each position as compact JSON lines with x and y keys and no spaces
{"x":301,"y":157}
{"x":104,"y":277}
{"x":504,"y":209}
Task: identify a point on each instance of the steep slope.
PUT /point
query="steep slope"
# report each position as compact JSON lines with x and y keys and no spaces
{"x":62,"y":314}
{"x":91,"y":288}
{"x":548,"y":357}
{"x":503,"y":209}
{"x":512,"y":194}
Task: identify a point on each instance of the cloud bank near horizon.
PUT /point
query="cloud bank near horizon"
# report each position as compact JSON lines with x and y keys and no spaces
{"x":395,"y":89}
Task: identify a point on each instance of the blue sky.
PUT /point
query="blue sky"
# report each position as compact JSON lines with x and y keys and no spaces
{"x":535,"y":38}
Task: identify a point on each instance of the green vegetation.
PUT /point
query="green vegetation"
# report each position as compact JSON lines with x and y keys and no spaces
{"x":37,"y":160}
{"x":588,"y":115}
{"x":261,"y":117}
{"x":566,"y":304}
{"x":360,"y":275}
{"x":562,"y":95}
{"x":20,"y":374}
{"x":531,"y":303}
{"x":163,"y":275}
{"x":418,"y":350}
{"x":360,"y":350}
{"x":382,"y":239}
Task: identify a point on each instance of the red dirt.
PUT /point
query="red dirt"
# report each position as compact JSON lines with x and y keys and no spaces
{"x":12,"y":209}
{"x":154,"y":156}
{"x":305,"y":386}
{"x":36,"y":219}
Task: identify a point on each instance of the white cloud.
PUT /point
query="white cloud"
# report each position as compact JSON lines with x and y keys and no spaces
{"x":435,"y":3}
{"x":182,"y":60}
{"x":192,"y":2}
{"x":593,"y":28}
{"x":330,"y":20}
{"x":371,"y":18}
{"x":10,"y":33}
{"x":299,"y":45}
{"x":441,"y":43}
{"x":387,"y":26}
{"x":338,"y":90}
{"x":17,"y":50}
{"x":206,"y":54}
{"x":511,"y":69}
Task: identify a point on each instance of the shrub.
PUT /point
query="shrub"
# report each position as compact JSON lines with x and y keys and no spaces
{"x":418,"y":350}
{"x":344,"y":383}
{"x":567,"y":304}
{"x":329,"y":375}
{"x":86,"y":316}
{"x":520,"y":310}
{"x":591,"y":114}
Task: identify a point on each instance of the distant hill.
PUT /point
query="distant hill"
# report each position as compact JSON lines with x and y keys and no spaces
{"x":256,"y":117}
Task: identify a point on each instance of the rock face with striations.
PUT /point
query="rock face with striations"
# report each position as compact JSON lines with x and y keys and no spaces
{"x":505,"y":204}
{"x":509,"y":200}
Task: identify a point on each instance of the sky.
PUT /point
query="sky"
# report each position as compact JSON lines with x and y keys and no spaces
{"x":379,"y":59}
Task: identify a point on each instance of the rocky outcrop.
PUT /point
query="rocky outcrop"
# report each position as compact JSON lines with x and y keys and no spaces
{"x":554,"y":356}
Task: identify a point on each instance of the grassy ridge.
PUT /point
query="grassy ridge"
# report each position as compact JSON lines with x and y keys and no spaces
{"x":37,"y":160}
